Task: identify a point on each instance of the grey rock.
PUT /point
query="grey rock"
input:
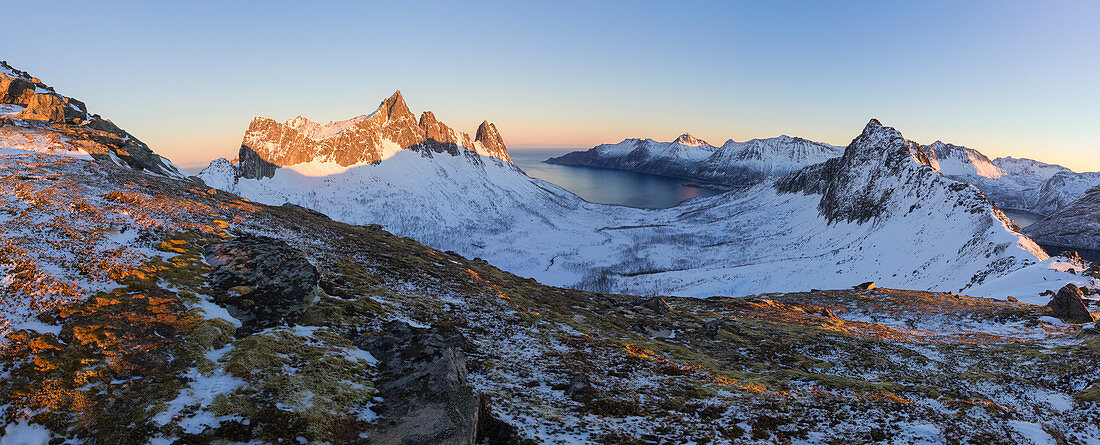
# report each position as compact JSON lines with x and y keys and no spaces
{"x":1069,"y":306}
{"x":427,"y":396}
{"x":865,"y":286}
{"x":261,"y":281}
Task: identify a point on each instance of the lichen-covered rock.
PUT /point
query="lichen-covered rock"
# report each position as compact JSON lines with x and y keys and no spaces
{"x":262,"y":281}
{"x":15,"y":90}
{"x":428,"y":398}
{"x":1068,"y":305}
{"x":44,"y":107}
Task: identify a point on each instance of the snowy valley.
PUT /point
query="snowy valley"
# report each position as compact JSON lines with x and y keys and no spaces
{"x":880,"y":212}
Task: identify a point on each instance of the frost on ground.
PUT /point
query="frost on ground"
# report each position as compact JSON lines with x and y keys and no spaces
{"x":159,"y":346}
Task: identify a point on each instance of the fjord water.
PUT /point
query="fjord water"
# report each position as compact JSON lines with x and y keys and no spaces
{"x":1023,"y":218}
{"x":607,"y":186}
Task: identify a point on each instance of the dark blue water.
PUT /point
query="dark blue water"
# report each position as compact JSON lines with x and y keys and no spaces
{"x":606,"y":186}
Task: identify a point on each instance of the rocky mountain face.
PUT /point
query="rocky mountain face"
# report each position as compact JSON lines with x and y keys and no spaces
{"x":361,"y":140}
{"x":34,"y":117}
{"x":734,"y":163}
{"x":192,"y":315}
{"x":1076,"y":225}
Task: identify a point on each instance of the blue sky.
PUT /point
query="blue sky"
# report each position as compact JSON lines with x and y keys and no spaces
{"x":1007,"y":78}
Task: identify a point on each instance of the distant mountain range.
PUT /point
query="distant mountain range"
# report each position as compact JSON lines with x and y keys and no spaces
{"x":876,"y":210}
{"x":1011,"y":183}
{"x":734,"y":163}
{"x":361,"y":140}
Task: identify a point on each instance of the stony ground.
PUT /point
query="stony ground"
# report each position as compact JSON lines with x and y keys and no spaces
{"x":130,"y":317}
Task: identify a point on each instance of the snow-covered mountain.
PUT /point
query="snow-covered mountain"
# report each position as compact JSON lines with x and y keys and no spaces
{"x":1075,"y":225}
{"x":361,"y":140}
{"x":1012,"y":183}
{"x":33,"y":117}
{"x":878,"y":212}
{"x":734,"y":163}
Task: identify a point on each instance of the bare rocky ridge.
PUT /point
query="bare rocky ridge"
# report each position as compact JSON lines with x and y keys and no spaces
{"x":367,"y":139}
{"x":48,"y":121}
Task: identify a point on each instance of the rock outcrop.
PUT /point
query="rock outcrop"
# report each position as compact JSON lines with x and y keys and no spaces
{"x":877,"y":170}
{"x":50,"y":122}
{"x":364,"y":139}
{"x":262,"y":281}
{"x":1069,"y":306}
{"x":424,"y":382}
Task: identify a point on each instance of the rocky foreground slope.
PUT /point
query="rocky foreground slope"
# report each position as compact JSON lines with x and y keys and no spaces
{"x":34,"y":117}
{"x":192,"y":315}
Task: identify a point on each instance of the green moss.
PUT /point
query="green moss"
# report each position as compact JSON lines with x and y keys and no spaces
{"x":1091,"y":394}
{"x":312,"y":380}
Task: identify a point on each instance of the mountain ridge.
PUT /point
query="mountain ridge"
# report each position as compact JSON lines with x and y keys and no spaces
{"x":879,"y":198}
{"x":734,"y":163}
{"x":364,"y":139}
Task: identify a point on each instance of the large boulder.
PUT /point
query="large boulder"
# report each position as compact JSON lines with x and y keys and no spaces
{"x":427,"y":396}
{"x":14,"y":90}
{"x":1069,"y":306}
{"x":44,"y":107}
{"x":261,"y":281}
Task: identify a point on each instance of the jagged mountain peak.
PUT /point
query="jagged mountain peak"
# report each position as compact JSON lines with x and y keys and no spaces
{"x":364,"y":139}
{"x":396,"y":107}
{"x":689,"y":140}
{"x":861,"y":184}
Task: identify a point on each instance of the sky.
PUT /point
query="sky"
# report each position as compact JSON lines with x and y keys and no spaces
{"x":1009,"y":78}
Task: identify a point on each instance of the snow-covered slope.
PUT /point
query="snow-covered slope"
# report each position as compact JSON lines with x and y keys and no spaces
{"x":1075,"y":225}
{"x":734,"y":163}
{"x":953,"y":160}
{"x":1012,"y":183}
{"x":879,"y":213}
{"x":1062,"y":189}
{"x":33,"y":117}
